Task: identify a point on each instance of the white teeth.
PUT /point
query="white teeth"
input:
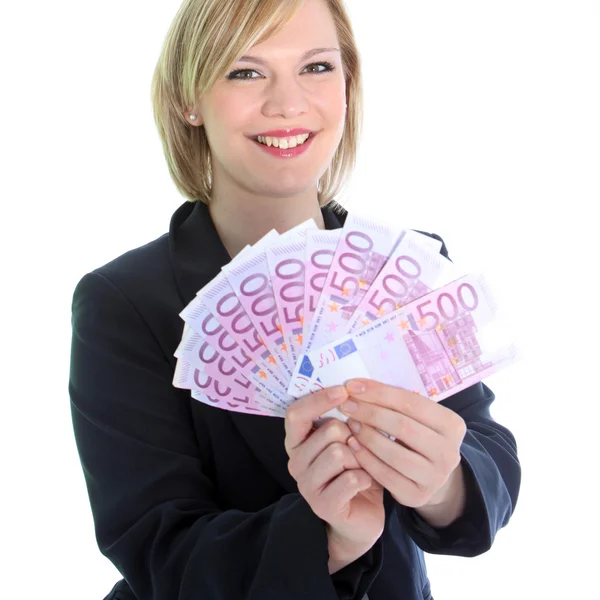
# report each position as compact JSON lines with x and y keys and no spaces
{"x":284,"y":143}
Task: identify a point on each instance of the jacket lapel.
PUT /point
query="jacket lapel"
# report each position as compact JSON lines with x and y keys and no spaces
{"x":197,"y":255}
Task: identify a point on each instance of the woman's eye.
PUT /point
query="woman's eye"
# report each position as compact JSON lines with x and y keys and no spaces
{"x":242,"y":72}
{"x":326,"y":67}
{"x":245,"y":74}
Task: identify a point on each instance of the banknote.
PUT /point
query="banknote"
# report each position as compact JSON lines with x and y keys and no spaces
{"x":413,"y":269}
{"x":286,"y":267}
{"x":436,"y":346}
{"x":361,"y":253}
{"x":234,"y":406}
{"x":224,"y":395}
{"x":251,"y":284}
{"x":218,"y":356}
{"x":320,"y":250}
{"x":216,"y":316}
{"x":250,"y":280}
{"x":310,"y":309}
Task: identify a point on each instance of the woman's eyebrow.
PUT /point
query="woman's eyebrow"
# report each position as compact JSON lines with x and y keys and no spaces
{"x":305,"y":56}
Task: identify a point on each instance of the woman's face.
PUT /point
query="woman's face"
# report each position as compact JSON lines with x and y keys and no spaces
{"x":294,"y":80}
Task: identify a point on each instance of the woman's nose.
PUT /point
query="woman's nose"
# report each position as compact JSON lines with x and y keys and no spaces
{"x":285,"y":98}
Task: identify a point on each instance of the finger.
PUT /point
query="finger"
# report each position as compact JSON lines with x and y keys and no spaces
{"x":421,"y":409}
{"x":332,"y":462}
{"x":301,"y":413}
{"x":414,"y":435}
{"x":332,"y":432}
{"x":342,"y":489}
{"x":387,"y":460}
{"x":404,"y":490}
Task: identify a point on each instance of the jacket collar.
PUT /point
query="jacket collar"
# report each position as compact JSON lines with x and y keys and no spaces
{"x":197,"y":255}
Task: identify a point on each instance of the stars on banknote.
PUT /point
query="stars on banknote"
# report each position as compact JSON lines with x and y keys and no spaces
{"x":399,"y":305}
{"x":448,"y":379}
{"x":455,"y":360}
{"x":432,"y":391}
{"x":272,"y":359}
{"x":451,"y":342}
{"x":333,"y":307}
{"x":346,"y":291}
{"x":384,"y":356}
{"x":422,"y":321}
{"x":403,"y":325}
{"x":283,"y":347}
{"x":280,"y":329}
{"x":332,"y":326}
{"x":380,"y":312}
{"x":262,"y":374}
{"x":301,"y":319}
{"x":365,"y":321}
{"x":298,"y":339}
{"x":362,"y":283}
{"x":390,"y":337}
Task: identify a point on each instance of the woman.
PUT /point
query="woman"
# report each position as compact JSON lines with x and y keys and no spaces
{"x":194,"y":502}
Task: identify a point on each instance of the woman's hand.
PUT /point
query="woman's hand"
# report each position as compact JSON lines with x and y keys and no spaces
{"x":422,"y":468}
{"x":337,"y":489}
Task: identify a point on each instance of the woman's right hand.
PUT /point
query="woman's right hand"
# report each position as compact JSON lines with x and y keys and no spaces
{"x":331,"y":480}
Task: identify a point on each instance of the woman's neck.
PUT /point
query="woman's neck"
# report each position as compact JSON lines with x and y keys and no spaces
{"x":245,"y":218}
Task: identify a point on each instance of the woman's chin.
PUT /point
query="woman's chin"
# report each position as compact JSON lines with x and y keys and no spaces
{"x":290,"y":189}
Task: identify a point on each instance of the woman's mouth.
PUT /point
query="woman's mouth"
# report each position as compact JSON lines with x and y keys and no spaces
{"x":285,"y":147}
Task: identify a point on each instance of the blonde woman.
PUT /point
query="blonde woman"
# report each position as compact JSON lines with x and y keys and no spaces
{"x":195,"y":503}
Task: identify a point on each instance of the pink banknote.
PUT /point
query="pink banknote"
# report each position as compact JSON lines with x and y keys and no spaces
{"x":250,"y":281}
{"x":241,"y":407}
{"x":435,"y":346}
{"x":412,"y":270}
{"x":220,"y":298}
{"x":320,"y":250}
{"x":286,"y":268}
{"x":362,"y":251}
{"x":223,"y":367}
{"x":228,"y":397}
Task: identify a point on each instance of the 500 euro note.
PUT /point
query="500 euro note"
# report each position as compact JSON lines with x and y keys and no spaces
{"x":215,"y":400}
{"x":227,"y":329}
{"x":205,"y":371}
{"x":216,"y":364}
{"x":251,"y":283}
{"x":320,"y":250}
{"x":436,"y":346}
{"x":362,"y":251}
{"x":218,"y":301}
{"x":286,"y":266}
{"x":414,"y":269}
{"x":215,"y":393}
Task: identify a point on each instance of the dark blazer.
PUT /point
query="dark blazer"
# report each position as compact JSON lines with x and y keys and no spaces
{"x":191,"y":502}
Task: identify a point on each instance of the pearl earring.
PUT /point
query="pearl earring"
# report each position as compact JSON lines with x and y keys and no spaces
{"x":192,"y":117}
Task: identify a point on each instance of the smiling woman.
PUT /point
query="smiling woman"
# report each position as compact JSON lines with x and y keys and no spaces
{"x":258,"y":105}
{"x":206,"y":64}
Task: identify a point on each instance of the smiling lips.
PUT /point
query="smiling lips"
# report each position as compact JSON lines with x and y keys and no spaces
{"x":285,"y":143}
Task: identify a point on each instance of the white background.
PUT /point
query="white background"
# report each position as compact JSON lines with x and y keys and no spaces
{"x":482,"y":125}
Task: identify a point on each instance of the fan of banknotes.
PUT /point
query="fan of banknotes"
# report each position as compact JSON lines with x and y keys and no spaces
{"x":310,"y":309}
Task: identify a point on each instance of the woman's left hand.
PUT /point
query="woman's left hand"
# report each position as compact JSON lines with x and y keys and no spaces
{"x":423,"y":466}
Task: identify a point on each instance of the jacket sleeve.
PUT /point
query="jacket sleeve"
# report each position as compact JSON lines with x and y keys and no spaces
{"x":155,"y":510}
{"x":492,"y":478}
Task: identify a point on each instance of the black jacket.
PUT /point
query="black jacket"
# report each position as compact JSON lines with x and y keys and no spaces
{"x":191,"y":502}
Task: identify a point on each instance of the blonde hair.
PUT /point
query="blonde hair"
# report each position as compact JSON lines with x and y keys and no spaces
{"x":204,"y":40}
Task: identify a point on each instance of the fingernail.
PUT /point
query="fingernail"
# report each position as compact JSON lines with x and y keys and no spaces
{"x":356,"y":386}
{"x":349,"y":406}
{"x":337,"y":393}
{"x":353,"y":443}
